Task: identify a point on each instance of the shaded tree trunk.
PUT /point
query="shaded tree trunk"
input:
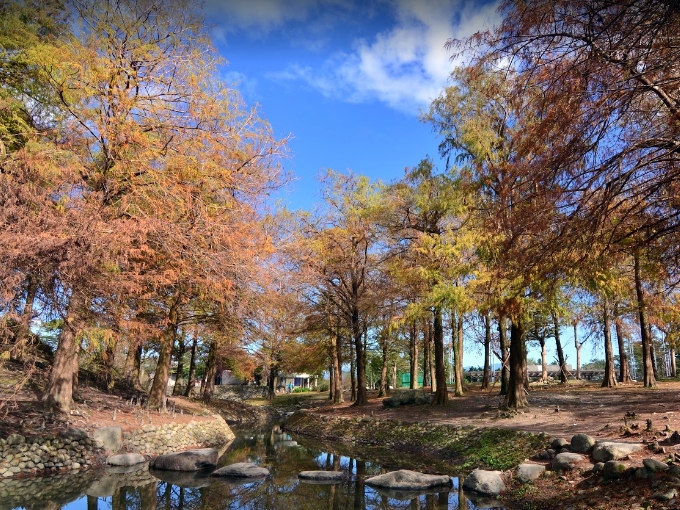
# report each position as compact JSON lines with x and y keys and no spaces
{"x":505,"y":354}
{"x":23,"y":331}
{"x":652,"y":351}
{"x":544,"y":359}
{"x":133,"y":366}
{"x":361,"y":396}
{"x":210,"y":373}
{"x":457,"y":342}
{"x":487,"y":352}
{"x":271,"y":383}
{"x":192,"y":366}
{"x":413,"y":351}
{"x":352,"y":374}
{"x":624,"y":369}
{"x":181,"y":349}
{"x":609,"y":379}
{"x":59,"y":392}
{"x":647,"y":369}
{"x":560,"y":351}
{"x":516,"y":398}
{"x":427,"y":332}
{"x":157,"y":398}
{"x":577,"y":346}
{"x":336,"y":358}
{"x":383,"y":372}
{"x":441,"y":396}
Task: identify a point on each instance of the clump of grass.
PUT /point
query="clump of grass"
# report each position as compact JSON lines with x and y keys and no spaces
{"x":497,"y":449}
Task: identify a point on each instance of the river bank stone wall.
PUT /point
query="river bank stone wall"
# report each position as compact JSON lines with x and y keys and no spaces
{"x":75,"y":449}
{"x":173,"y":437}
{"x":239,"y":392}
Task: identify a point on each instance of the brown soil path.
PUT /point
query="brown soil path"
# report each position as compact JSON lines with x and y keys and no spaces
{"x":556,"y":410}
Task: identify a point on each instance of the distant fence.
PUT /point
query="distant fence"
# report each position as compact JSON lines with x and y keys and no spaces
{"x":588,"y":375}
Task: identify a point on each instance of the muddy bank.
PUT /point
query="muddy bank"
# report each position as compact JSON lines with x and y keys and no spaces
{"x":463,"y":447}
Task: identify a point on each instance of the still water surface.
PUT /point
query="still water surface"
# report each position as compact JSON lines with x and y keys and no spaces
{"x":285,"y":457}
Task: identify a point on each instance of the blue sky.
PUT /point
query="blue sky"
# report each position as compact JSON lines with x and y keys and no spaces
{"x":345,"y":79}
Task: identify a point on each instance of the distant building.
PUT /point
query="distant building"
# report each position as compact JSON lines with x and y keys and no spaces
{"x":284,"y":381}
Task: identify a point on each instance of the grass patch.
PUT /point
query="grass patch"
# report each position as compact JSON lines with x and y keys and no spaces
{"x":497,"y":449}
{"x":290,"y":400}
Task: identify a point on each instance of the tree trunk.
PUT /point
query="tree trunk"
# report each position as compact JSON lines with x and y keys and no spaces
{"x":210,"y":373}
{"x":441,"y":396}
{"x":133,"y":366}
{"x":516,"y":396}
{"x":647,"y":368}
{"x":361,"y":396}
{"x":427,"y":334}
{"x":487,"y":352}
{"x":181,"y":349}
{"x":505,"y":354}
{"x":609,"y":379}
{"x":413,"y":344}
{"x":157,"y":394}
{"x":544,"y":359}
{"x":23,"y":333}
{"x":271,"y":383}
{"x":59,"y":392}
{"x":383,"y":372}
{"x":560,"y":351}
{"x":578,"y":346}
{"x":674,"y":368}
{"x":336,"y":358}
{"x":192,"y":366}
{"x":352,"y":374}
{"x":652,"y":351}
{"x":457,"y":341}
{"x":624,"y":369}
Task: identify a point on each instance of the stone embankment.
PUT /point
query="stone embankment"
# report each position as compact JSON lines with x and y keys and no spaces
{"x":74,"y":449}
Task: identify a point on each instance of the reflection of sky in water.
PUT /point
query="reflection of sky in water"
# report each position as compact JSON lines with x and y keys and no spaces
{"x":280,"y":491}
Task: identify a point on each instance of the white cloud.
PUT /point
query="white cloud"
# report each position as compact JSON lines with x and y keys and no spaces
{"x":262,"y":16}
{"x":405,"y":66}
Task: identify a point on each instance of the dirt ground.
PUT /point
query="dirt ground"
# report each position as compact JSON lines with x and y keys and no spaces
{"x":22,"y":413}
{"x":579,"y":407}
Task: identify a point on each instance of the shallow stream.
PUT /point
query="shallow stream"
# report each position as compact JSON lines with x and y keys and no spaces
{"x":285,"y":456}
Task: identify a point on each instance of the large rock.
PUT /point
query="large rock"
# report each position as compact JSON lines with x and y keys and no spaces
{"x":529,"y":472}
{"x":109,"y":438}
{"x":654,"y":466}
{"x":613,"y":470}
{"x":14,"y":439}
{"x":566,"y":461}
{"x":242,"y":470}
{"x":74,"y":433}
{"x":321,"y":475}
{"x":405,"y":479}
{"x":403,"y":397}
{"x":125,"y":459}
{"x":582,"y":443}
{"x":607,"y":450}
{"x":488,"y":483}
{"x":190,"y":460}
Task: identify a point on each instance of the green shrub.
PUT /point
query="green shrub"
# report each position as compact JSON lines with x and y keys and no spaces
{"x":323,"y":386}
{"x":301,"y":390}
